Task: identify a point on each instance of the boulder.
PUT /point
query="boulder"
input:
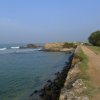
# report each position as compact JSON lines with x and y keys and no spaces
{"x":31,"y":46}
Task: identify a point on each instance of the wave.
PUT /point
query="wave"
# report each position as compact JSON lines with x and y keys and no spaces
{"x":26,"y":51}
{"x":23,"y":52}
{"x":37,"y":49}
{"x":15,"y":47}
{"x":3,"y":48}
{"x":17,"y":50}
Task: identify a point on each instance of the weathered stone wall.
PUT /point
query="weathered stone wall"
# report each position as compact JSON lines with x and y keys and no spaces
{"x":74,"y":87}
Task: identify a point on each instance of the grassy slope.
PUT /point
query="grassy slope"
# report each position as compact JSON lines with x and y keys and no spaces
{"x":84,"y":74}
{"x":95,"y":49}
{"x":83,"y":65}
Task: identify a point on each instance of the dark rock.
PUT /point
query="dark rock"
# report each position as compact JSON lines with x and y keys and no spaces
{"x":51,"y":91}
{"x":49,"y":81}
{"x":35,"y":91}
{"x":31,"y":46}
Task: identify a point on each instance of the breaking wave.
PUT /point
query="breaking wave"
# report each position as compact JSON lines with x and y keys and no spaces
{"x":15,"y":47}
{"x":3,"y":49}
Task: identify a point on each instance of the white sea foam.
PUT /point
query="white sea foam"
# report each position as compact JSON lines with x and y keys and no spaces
{"x":15,"y":47}
{"x":3,"y":48}
{"x":37,"y":49}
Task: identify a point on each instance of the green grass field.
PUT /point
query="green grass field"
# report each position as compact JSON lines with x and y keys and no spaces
{"x":95,"y":49}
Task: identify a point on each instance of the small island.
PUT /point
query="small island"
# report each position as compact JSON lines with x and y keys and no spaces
{"x":29,"y":46}
{"x":59,"y":47}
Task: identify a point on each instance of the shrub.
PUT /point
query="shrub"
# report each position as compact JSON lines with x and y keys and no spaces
{"x":94,"y":38}
{"x":69,"y":45}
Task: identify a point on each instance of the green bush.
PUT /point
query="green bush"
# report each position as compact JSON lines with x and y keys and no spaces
{"x":94,"y":38}
{"x":69,"y":45}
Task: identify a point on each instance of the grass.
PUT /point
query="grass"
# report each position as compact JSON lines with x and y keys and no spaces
{"x":95,"y":49}
{"x":84,"y":75}
{"x":83,"y":65}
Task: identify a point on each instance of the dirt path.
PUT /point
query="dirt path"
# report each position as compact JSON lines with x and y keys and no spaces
{"x":93,"y":69}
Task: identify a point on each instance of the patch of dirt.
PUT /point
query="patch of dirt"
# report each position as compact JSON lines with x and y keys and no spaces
{"x":93,"y":69}
{"x":96,"y":97}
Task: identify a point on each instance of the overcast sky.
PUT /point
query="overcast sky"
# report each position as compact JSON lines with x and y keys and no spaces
{"x":40,"y":21}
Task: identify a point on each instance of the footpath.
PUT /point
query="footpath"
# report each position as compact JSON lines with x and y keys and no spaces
{"x":93,"y":69}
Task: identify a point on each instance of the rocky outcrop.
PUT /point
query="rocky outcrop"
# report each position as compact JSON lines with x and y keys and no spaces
{"x":74,"y":87}
{"x":53,"y":46}
{"x":29,"y":46}
{"x":62,"y":88}
{"x":56,"y":47}
{"x":51,"y":90}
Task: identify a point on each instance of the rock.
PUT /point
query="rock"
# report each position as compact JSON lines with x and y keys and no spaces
{"x":78,"y":98}
{"x":53,"y":46}
{"x":85,"y":98}
{"x":49,"y":81}
{"x":78,"y":84}
{"x":35,"y":91}
{"x":28,"y":46}
{"x":57,"y":47}
{"x":74,"y":87}
{"x":31,"y":46}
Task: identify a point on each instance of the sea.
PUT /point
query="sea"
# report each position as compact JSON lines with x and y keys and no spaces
{"x":24,"y":70}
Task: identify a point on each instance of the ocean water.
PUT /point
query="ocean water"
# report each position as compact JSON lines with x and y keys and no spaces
{"x":24,"y":70}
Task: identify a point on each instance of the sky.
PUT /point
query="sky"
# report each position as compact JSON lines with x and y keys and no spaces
{"x":40,"y":21}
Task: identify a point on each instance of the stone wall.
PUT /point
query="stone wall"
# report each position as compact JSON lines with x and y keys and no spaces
{"x":74,"y":87}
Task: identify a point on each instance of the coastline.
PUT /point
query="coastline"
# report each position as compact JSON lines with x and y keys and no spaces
{"x":75,"y":87}
{"x":52,"y":89}
{"x":54,"y":61}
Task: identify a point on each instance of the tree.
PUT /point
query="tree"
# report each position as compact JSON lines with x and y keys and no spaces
{"x":69,"y":45}
{"x":94,"y":38}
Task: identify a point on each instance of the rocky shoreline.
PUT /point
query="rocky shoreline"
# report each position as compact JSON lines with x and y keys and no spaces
{"x":66,"y":85}
{"x":52,"y":89}
{"x":74,"y":87}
